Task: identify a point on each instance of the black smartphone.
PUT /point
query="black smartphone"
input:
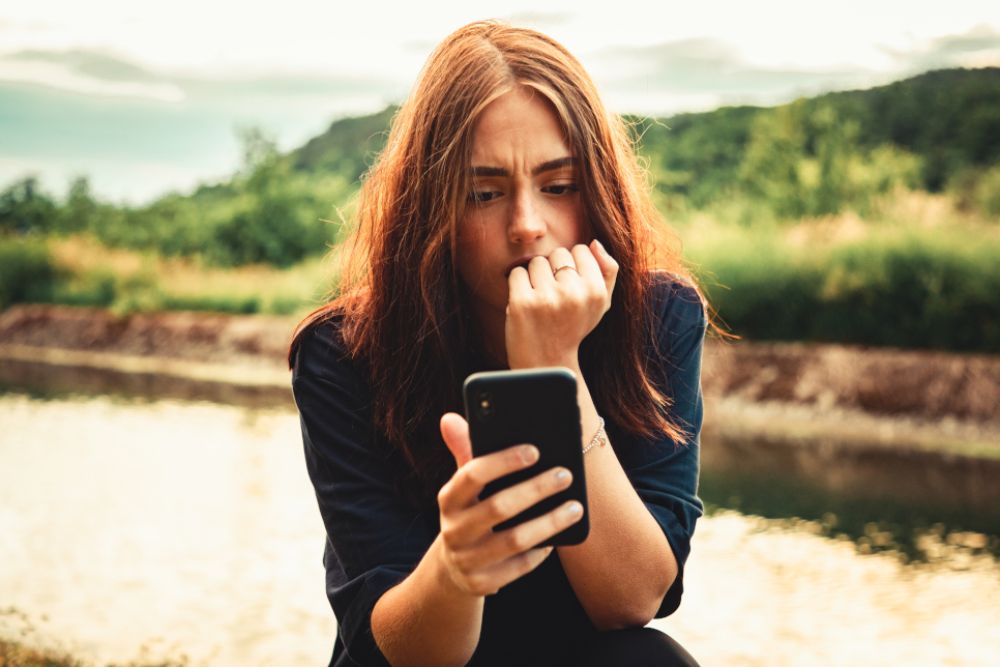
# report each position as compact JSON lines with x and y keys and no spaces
{"x":536,"y":406}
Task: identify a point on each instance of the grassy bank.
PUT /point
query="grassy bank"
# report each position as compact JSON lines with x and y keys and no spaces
{"x":916,"y":273}
{"x":78,"y":270}
{"x":920,"y":275}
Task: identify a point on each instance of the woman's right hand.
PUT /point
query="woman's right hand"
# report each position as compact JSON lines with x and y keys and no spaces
{"x":478,"y":561}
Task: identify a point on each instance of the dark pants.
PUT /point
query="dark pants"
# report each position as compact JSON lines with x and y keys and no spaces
{"x":633,"y":647}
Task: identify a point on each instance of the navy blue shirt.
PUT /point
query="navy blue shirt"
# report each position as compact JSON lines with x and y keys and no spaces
{"x":375,"y":538}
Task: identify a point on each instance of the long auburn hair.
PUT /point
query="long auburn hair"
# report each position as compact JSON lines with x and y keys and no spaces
{"x":404,"y":311}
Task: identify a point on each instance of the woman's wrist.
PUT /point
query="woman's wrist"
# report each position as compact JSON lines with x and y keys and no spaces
{"x":600,"y":437}
{"x":568,"y":360}
{"x":426,"y":618}
{"x":441,"y":575}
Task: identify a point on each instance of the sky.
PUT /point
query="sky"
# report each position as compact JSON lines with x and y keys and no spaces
{"x":145,"y":98}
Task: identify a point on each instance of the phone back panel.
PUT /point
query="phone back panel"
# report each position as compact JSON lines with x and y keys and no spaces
{"x":536,"y":406}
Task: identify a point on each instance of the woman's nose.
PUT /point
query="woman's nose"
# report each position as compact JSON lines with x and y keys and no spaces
{"x":526,"y":224}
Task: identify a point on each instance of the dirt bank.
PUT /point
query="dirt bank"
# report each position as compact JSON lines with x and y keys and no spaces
{"x":829,"y":379}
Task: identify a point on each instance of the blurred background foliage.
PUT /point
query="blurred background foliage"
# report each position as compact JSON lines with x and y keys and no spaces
{"x":868,"y":217}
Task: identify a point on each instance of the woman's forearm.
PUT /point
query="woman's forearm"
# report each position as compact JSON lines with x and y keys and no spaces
{"x":425,"y":620}
{"x":625,"y":567}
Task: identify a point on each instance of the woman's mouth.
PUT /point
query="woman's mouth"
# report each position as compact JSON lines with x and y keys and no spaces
{"x":523,"y":261}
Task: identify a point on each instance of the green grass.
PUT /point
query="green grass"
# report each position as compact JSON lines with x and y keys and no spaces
{"x":90,"y":274}
{"x":918,"y":274}
{"x":899,"y":283}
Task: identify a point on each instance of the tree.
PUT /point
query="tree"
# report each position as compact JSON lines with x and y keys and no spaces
{"x":770,"y":168}
{"x":80,"y":211}
{"x":25,"y":209}
{"x":271,"y":225}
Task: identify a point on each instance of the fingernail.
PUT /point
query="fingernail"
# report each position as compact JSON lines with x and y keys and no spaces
{"x":601,"y":246}
{"x":562,"y":475}
{"x":574,"y":509}
{"x":529,"y":453}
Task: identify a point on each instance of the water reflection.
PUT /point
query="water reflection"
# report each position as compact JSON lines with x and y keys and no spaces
{"x":172,"y":528}
{"x":188,"y":528}
{"x":876,"y":522}
{"x":51,"y":381}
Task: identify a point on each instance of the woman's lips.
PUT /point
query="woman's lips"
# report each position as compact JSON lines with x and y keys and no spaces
{"x":516,"y":263}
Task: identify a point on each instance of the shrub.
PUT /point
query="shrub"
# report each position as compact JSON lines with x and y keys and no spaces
{"x":899,"y":289}
{"x":27,"y":271}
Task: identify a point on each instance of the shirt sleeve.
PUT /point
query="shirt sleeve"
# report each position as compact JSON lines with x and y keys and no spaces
{"x":374,"y":539}
{"x":664,"y":473}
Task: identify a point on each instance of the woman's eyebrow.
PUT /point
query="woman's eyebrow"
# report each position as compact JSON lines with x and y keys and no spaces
{"x":550,"y":165}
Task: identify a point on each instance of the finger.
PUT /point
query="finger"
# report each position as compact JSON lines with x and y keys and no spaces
{"x":455,"y":431}
{"x":540,"y":272}
{"x":510,"y":502}
{"x":506,"y":543}
{"x":463,"y":489}
{"x":587,"y":265}
{"x":518,"y":284}
{"x":609,"y":267}
{"x":494,"y":578}
{"x":558,"y":260}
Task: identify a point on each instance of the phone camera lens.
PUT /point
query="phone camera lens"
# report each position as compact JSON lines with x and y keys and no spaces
{"x":485,"y":404}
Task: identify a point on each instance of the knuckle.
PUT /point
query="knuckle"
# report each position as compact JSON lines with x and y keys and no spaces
{"x":444,"y":494}
{"x":529,"y":561}
{"x":516,"y":540}
{"x":497,"y":507}
{"x":548,"y":303}
{"x":450,"y":534}
{"x":521,"y":304}
{"x":461,"y":560}
{"x":478,"y":584}
{"x":516,"y":458}
{"x":581,"y":295}
{"x":545,"y":483}
{"x":471,"y":474}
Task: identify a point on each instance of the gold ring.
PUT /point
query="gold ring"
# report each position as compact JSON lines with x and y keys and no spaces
{"x":564,"y":266}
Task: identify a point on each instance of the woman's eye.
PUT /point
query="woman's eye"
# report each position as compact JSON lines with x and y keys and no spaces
{"x":482,"y":196}
{"x":561,"y":189}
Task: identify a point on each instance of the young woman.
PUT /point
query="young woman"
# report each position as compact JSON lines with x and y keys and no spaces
{"x":505,"y":225}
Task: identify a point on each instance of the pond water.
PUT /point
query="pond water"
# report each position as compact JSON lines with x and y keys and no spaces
{"x":177,"y":529}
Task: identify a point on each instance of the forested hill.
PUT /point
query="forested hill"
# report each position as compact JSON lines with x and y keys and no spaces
{"x":348,"y":147}
{"x":809,"y":158}
{"x":948,"y":119}
{"x":767,"y":180}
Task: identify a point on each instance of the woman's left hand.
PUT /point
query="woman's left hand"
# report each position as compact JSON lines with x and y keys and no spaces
{"x":555,"y":302}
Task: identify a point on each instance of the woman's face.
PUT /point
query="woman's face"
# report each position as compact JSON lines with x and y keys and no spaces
{"x":523,"y":195}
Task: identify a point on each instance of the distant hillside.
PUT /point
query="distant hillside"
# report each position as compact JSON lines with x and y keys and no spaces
{"x":948,"y":119}
{"x":809,"y":158}
{"x":349,"y":147}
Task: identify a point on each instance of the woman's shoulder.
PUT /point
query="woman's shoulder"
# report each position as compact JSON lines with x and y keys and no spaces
{"x":677,"y":304}
{"x":319,"y":348}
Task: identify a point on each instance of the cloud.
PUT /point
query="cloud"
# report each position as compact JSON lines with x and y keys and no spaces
{"x":89,"y":73}
{"x":709,"y":72}
{"x":979,"y":47}
{"x":542,"y":20}
{"x":93,"y":64}
{"x":102,"y":74}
